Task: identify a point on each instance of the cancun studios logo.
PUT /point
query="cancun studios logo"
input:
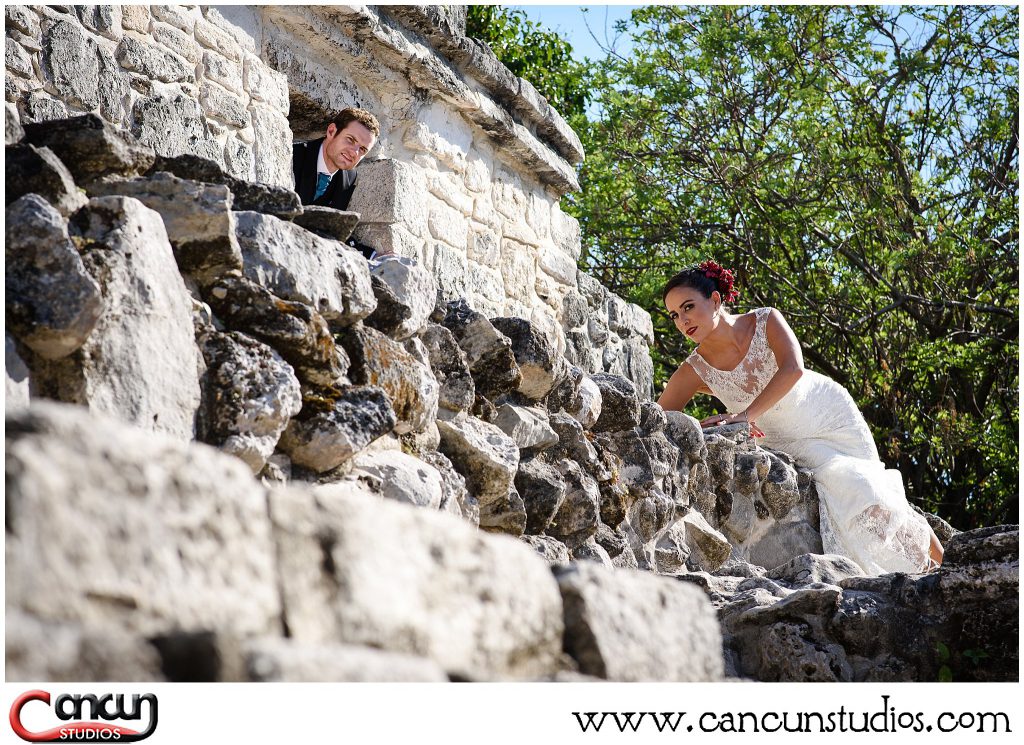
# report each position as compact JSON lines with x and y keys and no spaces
{"x":88,"y":717}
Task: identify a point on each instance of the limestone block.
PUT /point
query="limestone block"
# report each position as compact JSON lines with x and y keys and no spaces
{"x":487,"y":304}
{"x":578,"y":396}
{"x":578,"y":516}
{"x":90,"y":147}
{"x":214,"y":38}
{"x":101,"y":19}
{"x":519,"y":268}
{"x":234,"y":25}
{"x":265,"y":84}
{"x":238,"y":158}
{"x":401,"y":477}
{"x":35,"y":106}
{"x":17,"y":60}
{"x":272,"y":147}
{"x":177,"y":15}
{"x":413,"y":286}
{"x":22,"y":18}
{"x":173,"y":124}
{"x":250,"y":393}
{"x":671,"y":550}
{"x":526,"y":425}
{"x":616,"y":629}
{"x":177,"y":41}
{"x":484,"y":248}
{"x":542,"y":488}
{"x":538,"y":216}
{"x":223,"y":106}
{"x":550,"y":549}
{"x":517,"y":229}
{"x":52,"y":302}
{"x":331,"y":429}
{"x":153,"y":62}
{"x":410,"y":385}
{"x":455,"y":500}
{"x":450,"y":270}
{"x":197,"y":217}
{"x":558,"y":265}
{"x":135,"y":18}
{"x":156,"y":535}
{"x":814,"y":568}
{"x":288,"y":661}
{"x":300,"y":266}
{"x":391,"y":239}
{"x":477,"y":176}
{"x":488,"y":351}
{"x":37,"y":649}
{"x":70,"y":64}
{"x":39,"y":171}
{"x":140,"y":362}
{"x":419,"y":137}
{"x":486,"y":283}
{"x":709,"y":549}
{"x":448,"y":188}
{"x":565,"y":234}
{"x":629,"y":319}
{"x":296,"y":331}
{"x":16,"y":377}
{"x":446,"y":592}
{"x":448,"y":225}
{"x":484,"y":213}
{"x":114,"y":86}
{"x":488,"y":459}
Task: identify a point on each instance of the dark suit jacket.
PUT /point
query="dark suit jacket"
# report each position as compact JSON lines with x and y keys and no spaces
{"x":339,"y":191}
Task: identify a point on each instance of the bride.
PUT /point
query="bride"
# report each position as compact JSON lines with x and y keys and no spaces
{"x":752,"y":362}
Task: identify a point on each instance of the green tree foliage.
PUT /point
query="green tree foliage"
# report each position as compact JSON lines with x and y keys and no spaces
{"x":535,"y":54}
{"x":859,"y":168}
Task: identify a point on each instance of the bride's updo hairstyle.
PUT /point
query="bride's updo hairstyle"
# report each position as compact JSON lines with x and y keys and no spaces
{"x":706,"y":277}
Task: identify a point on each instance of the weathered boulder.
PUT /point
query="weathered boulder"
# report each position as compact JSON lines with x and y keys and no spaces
{"x":617,"y":626}
{"x":526,"y":425}
{"x":31,"y":170}
{"x":52,"y":303}
{"x":550,"y":549}
{"x":90,"y":147}
{"x":488,"y":351}
{"x":140,"y":363}
{"x":478,"y":605}
{"x":539,"y":363}
{"x":390,"y":314}
{"x":451,"y":370}
{"x":197,"y":216}
{"x":578,"y":396}
{"x":335,"y":424}
{"x":297,"y":265}
{"x":488,"y":459}
{"x":709,"y":549}
{"x":402,"y":477}
{"x":455,"y":498}
{"x":296,"y":331}
{"x":156,"y":535}
{"x":249,"y":396}
{"x":578,"y":516}
{"x":620,"y":405}
{"x":380,"y":361}
{"x":413,"y":288}
{"x":327,"y":222}
{"x":16,"y":377}
{"x":542,"y":489}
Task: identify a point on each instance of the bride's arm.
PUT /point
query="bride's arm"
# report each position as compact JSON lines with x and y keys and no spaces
{"x":680,"y":388}
{"x":791,"y":366}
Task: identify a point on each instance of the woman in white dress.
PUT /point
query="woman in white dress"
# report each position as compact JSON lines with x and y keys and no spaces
{"x":752,"y":362}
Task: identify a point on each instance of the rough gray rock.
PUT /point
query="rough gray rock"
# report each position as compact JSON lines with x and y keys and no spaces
{"x":327,"y":222}
{"x":488,"y":351}
{"x":334,"y":426}
{"x":69,"y":61}
{"x":402,"y":478}
{"x":197,"y":216}
{"x":140,"y":362}
{"x":156,"y":535}
{"x":709,"y":549}
{"x":577,"y":395}
{"x":16,"y":377}
{"x":578,"y":516}
{"x":550,"y":549}
{"x":616,"y":629}
{"x":451,"y":370}
{"x":172,"y":123}
{"x":13,"y":131}
{"x":488,"y":459}
{"x":380,"y":361}
{"x":827,"y":569}
{"x":152,"y":62}
{"x":390,"y":313}
{"x":90,"y":147}
{"x":297,"y":265}
{"x":620,"y":405}
{"x":52,"y":303}
{"x":296,"y":331}
{"x":249,"y":395}
{"x":445,"y":592}
{"x":539,"y":364}
{"x":38,"y":171}
{"x":542,"y":489}
{"x":526,"y":425}
{"x":455,"y":499}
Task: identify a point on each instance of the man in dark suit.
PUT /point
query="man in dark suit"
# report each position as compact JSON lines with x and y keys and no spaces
{"x":323,"y":168}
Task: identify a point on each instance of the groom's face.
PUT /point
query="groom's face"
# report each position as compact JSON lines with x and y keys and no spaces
{"x":344,"y":148}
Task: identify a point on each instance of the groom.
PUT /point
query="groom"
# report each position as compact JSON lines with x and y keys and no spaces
{"x":323,"y":168}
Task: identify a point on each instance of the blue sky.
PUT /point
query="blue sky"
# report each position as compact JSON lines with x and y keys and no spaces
{"x":572,"y":23}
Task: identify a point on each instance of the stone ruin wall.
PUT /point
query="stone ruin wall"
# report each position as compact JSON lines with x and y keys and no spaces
{"x":466,"y":177}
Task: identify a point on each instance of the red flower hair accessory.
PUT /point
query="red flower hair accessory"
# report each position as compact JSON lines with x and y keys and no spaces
{"x":722,"y":277}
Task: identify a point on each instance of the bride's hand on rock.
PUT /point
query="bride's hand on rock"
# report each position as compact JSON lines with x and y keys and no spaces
{"x":718,"y":420}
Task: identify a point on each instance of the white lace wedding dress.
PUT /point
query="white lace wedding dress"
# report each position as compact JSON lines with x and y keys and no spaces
{"x":864,"y":511}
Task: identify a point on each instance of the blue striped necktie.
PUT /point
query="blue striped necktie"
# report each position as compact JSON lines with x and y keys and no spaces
{"x":322,"y":180}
